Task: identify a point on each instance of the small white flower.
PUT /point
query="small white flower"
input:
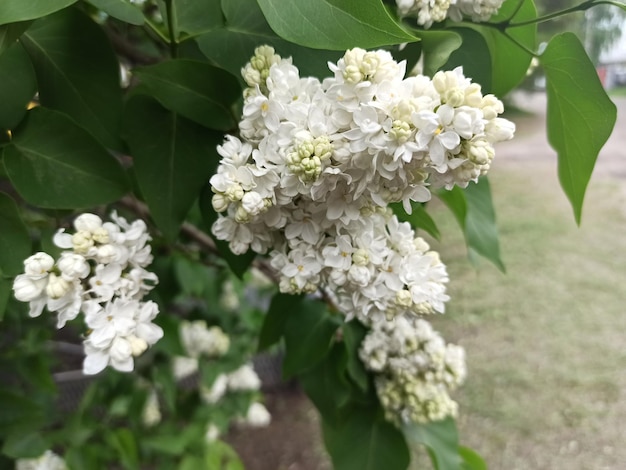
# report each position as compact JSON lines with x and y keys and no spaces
{"x":258,"y":416}
{"x":87,"y":222}
{"x":47,"y":461}
{"x":73,"y":266}
{"x":27,"y":289}
{"x":38,"y":265}
{"x":57,"y":287}
{"x":217,"y":390}
{"x":244,"y":378}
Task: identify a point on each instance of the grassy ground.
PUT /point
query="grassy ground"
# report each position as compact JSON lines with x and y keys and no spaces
{"x":545,"y":342}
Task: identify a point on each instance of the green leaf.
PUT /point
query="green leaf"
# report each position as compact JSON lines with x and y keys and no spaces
{"x":480,"y":224}
{"x":474,"y":56}
{"x":15,"y":243}
{"x":196,"y":90}
{"x":232,"y":45}
{"x":12,"y":11}
{"x":19,"y":413}
{"x":219,"y":455}
{"x":19,"y":85}
{"x":124,"y":442}
{"x":326,"y":385}
{"x":238,"y":264}
{"x":437,"y":47}
{"x":471,"y":460}
{"x":353,"y":334}
{"x":366,"y":441}
{"x":172,"y":160}
{"x":454,"y":199}
{"x":323,"y":24}
{"x":191,"y":462}
{"x":441,"y":439}
{"x":53,"y":163}
{"x":419,"y":219}
{"x":5,"y":294}
{"x":473,"y":210}
{"x":308,"y":334}
{"x":508,"y":60}
{"x":197,"y":16}
{"x":281,"y":308}
{"x":78,"y":77}
{"x":25,"y":446}
{"x":191,"y":276}
{"x":9,"y":33}
{"x":120,"y":9}
{"x":580,"y":115}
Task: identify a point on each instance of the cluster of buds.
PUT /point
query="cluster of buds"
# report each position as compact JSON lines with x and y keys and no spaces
{"x":436,"y":11}
{"x":415,"y":370}
{"x":101,"y":272}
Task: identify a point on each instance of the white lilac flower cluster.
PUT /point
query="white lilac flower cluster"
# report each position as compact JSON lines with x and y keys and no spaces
{"x":435,"y":11}
{"x":47,"y":461}
{"x":101,"y":272}
{"x":243,"y":379}
{"x":318,"y":163}
{"x":198,"y":340}
{"x":415,"y":370}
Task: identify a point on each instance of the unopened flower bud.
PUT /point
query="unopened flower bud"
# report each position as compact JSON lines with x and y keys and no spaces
{"x":87,"y":222}
{"x":57,"y":286}
{"x":82,"y":241}
{"x":220,"y":202}
{"x":137,"y":345}
{"x":73,"y":266}
{"x":100,"y":235}
{"x":26,"y":289}
{"x":404,"y":298}
{"x":361,"y":257}
{"x":38,"y":265}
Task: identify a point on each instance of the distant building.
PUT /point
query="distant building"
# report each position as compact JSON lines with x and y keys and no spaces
{"x":612,"y":66}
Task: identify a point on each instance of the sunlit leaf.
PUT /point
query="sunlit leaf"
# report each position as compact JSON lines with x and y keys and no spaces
{"x":54,"y":163}
{"x":322,"y":24}
{"x":580,"y":115}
